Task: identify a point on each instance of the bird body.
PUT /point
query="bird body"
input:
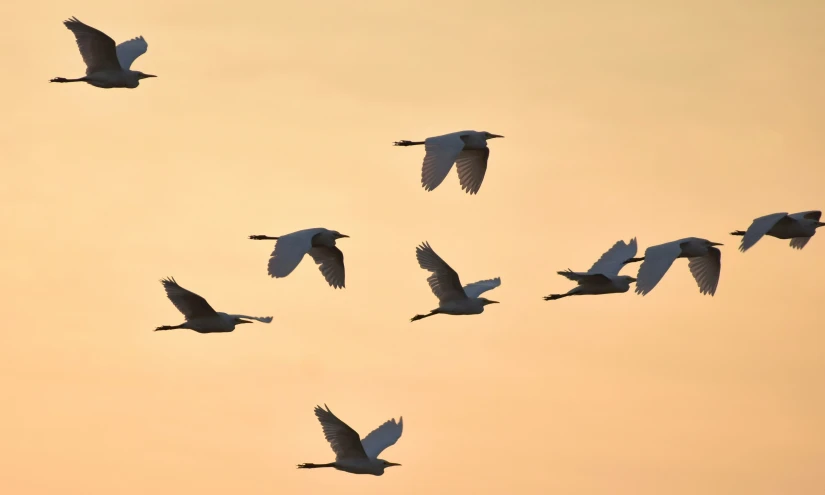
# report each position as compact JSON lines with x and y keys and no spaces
{"x":603,"y":277}
{"x":799,"y":227}
{"x":453,"y":299}
{"x":467,"y":149}
{"x":705,"y":263}
{"x":353,"y":455}
{"x":107,"y":65}
{"x":319,"y":243}
{"x":199,"y":315}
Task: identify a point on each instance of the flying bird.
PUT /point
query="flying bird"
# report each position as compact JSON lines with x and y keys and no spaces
{"x":107,"y":65}
{"x":199,"y":315}
{"x":705,"y":263}
{"x":453,"y":299}
{"x":352,"y":454}
{"x":319,"y":243}
{"x":603,"y":277}
{"x":798,"y":227}
{"x":467,"y":149}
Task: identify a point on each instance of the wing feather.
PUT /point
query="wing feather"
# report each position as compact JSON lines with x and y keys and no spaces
{"x":289,"y":251}
{"x":444,"y":281}
{"x":706,"y":270}
{"x":472,"y":166}
{"x":96,"y":48}
{"x":382,"y":437}
{"x":613,"y":259}
{"x":344,"y":441}
{"x":475,"y":289}
{"x":658,"y":260}
{"x":799,"y":242}
{"x":441,"y":153}
{"x":331,"y":263}
{"x":130,"y":50}
{"x":759,"y":228}
{"x":187,"y":302}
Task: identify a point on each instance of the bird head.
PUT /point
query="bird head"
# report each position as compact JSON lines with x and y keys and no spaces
{"x":489,"y":135}
{"x":338,"y":235}
{"x":485,"y":301}
{"x":141,"y":75}
{"x":388,"y":463}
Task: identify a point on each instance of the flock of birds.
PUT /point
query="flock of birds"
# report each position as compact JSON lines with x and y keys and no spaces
{"x":109,"y":66}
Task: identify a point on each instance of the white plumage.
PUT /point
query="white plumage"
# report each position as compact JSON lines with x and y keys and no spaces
{"x":453,"y":299}
{"x":798,"y":227}
{"x":603,"y":277}
{"x":107,"y":65}
{"x":319,"y":243}
{"x":199,"y":315}
{"x":352,"y":454}
{"x":705,"y":263}
{"x":466,"y":149}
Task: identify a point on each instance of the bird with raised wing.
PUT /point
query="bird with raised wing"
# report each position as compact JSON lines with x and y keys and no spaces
{"x":798,"y":227}
{"x":107,"y":65}
{"x":704,"y":262}
{"x":467,"y":149}
{"x":352,"y":454}
{"x":603,"y":277}
{"x":199,"y":315}
{"x":453,"y":299}
{"x":319,"y":243}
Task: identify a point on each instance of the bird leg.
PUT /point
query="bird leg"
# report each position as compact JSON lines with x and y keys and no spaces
{"x":168,"y":327}
{"x":633,"y":260}
{"x":309,"y":465}
{"x":64,"y":80}
{"x":262,"y":238}
{"x":738,"y":232}
{"x":407,"y":143}
{"x":419,"y":317}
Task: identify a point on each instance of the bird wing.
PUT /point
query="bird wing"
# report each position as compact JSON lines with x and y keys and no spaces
{"x":262,"y":319}
{"x":657,"y":262}
{"x":472,"y":165}
{"x":799,"y":242}
{"x":444,"y":280}
{"x":582,"y":277}
{"x":129,"y":50}
{"x":382,"y":437}
{"x":441,"y":153}
{"x":96,"y":48}
{"x":187,"y":302}
{"x":808,"y":215}
{"x":289,"y":251}
{"x":613,"y":259}
{"x":759,"y":228}
{"x":706,"y":269}
{"x":478,"y":288}
{"x":344,"y":440}
{"x":331,"y":261}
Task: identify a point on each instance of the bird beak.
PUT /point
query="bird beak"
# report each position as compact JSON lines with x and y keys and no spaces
{"x":148,"y":75}
{"x":493,"y":302}
{"x":392,"y":464}
{"x":716,"y":244}
{"x":820,"y":224}
{"x":242,"y":321}
{"x":631,"y":279}
{"x":342,"y":235}
{"x":494,"y":136}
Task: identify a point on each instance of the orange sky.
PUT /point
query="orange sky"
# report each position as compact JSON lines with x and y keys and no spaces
{"x":659,"y":120}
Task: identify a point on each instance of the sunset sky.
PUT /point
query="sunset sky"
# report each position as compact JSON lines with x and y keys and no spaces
{"x":650,"y":119}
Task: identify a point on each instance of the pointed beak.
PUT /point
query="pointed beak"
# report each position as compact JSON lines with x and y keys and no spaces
{"x":392,"y":464}
{"x":342,"y":235}
{"x":493,"y":302}
{"x":494,"y":136}
{"x":716,"y":244}
{"x":631,"y":279}
{"x":149,"y":75}
{"x":820,"y":224}
{"x":240,"y":320}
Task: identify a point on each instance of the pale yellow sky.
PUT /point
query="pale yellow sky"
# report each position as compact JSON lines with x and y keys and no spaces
{"x":652,"y":119}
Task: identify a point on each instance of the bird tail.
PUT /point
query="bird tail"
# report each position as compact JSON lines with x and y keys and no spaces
{"x":309,"y":465}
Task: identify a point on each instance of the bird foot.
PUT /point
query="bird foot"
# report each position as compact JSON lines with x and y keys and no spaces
{"x":261,"y":237}
{"x":402,"y":143}
{"x":58,"y":79}
{"x":553,"y":297}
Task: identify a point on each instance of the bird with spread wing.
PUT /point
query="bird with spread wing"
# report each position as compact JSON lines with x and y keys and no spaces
{"x":798,"y":227}
{"x":603,"y":277}
{"x":319,"y":243}
{"x":705,"y":263}
{"x":352,"y":454}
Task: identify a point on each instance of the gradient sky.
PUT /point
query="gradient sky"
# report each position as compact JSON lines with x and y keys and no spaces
{"x":653,"y":119}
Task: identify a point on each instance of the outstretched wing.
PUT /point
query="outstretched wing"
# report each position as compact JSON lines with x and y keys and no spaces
{"x":441,"y":153}
{"x":760,"y":227}
{"x":613,"y":259}
{"x":187,"y":302}
{"x":262,"y":319}
{"x":657,"y":262}
{"x":478,"y":288}
{"x":96,"y":48}
{"x":331,"y":263}
{"x":808,"y":215}
{"x":444,"y":280}
{"x":472,"y":165}
{"x":289,"y":251}
{"x":344,"y":440}
{"x":129,"y":50}
{"x":584,"y":277}
{"x":382,"y":437}
{"x":706,"y":270}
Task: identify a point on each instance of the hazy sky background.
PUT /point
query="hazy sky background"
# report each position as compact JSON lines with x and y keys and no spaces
{"x":659,"y":120}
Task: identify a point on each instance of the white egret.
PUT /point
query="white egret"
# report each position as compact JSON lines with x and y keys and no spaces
{"x":319,"y":243}
{"x":453,"y":299}
{"x":199,"y":315}
{"x":705,"y":263}
{"x":352,"y":454}
{"x":107,"y":65}
{"x":798,"y":227}
{"x":603,"y":277}
{"x":467,"y":149}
